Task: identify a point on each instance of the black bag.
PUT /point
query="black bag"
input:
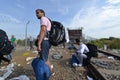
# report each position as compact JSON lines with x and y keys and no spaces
{"x":3,"y":38}
{"x":7,"y":48}
{"x":92,"y":50}
{"x":5,"y":45}
{"x":57,"y":33}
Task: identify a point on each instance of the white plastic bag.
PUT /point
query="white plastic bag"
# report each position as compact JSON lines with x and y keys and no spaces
{"x":21,"y":77}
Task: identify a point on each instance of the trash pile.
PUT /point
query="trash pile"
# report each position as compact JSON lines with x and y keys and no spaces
{"x":107,"y":65}
{"x":115,"y":51}
{"x":101,"y":64}
{"x":21,"y":77}
{"x":57,"y":56}
{"x":29,"y":59}
{"x":7,"y":71}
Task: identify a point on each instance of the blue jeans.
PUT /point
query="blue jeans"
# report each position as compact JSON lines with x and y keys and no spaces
{"x":45,"y":46}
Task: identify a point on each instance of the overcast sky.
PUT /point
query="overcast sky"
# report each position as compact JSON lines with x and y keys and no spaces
{"x":99,"y":18}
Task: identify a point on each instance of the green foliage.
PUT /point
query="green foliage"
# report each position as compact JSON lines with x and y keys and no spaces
{"x":21,"y":42}
{"x":112,"y":43}
{"x":115,"y":44}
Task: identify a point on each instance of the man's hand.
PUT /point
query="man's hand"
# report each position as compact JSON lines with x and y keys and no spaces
{"x":39,"y":48}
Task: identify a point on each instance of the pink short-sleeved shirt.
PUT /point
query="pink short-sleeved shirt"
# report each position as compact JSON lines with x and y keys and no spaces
{"x":45,"y":21}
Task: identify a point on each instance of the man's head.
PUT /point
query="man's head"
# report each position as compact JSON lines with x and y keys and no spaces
{"x":40,"y":13}
{"x":12,"y":36}
{"x":77,"y":41}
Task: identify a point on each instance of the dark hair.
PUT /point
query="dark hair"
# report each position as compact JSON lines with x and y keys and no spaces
{"x":41,"y":10}
{"x":77,"y":40}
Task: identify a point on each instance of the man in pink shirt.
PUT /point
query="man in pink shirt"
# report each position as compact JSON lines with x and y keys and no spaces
{"x":43,"y":41}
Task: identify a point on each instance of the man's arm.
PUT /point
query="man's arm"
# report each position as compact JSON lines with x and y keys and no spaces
{"x":86,"y":48}
{"x":41,"y":36}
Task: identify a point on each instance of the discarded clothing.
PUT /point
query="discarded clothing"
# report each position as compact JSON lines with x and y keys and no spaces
{"x":42,"y":71}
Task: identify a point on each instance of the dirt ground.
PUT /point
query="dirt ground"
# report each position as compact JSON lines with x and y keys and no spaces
{"x":62,"y":68}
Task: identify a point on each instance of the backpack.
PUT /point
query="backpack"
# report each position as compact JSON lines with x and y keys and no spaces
{"x":3,"y":38}
{"x":5,"y":45}
{"x":57,"y":33}
{"x":7,"y":48}
{"x":92,"y":50}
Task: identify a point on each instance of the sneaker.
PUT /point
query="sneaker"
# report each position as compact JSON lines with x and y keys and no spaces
{"x":79,"y":65}
{"x":75,"y":64}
